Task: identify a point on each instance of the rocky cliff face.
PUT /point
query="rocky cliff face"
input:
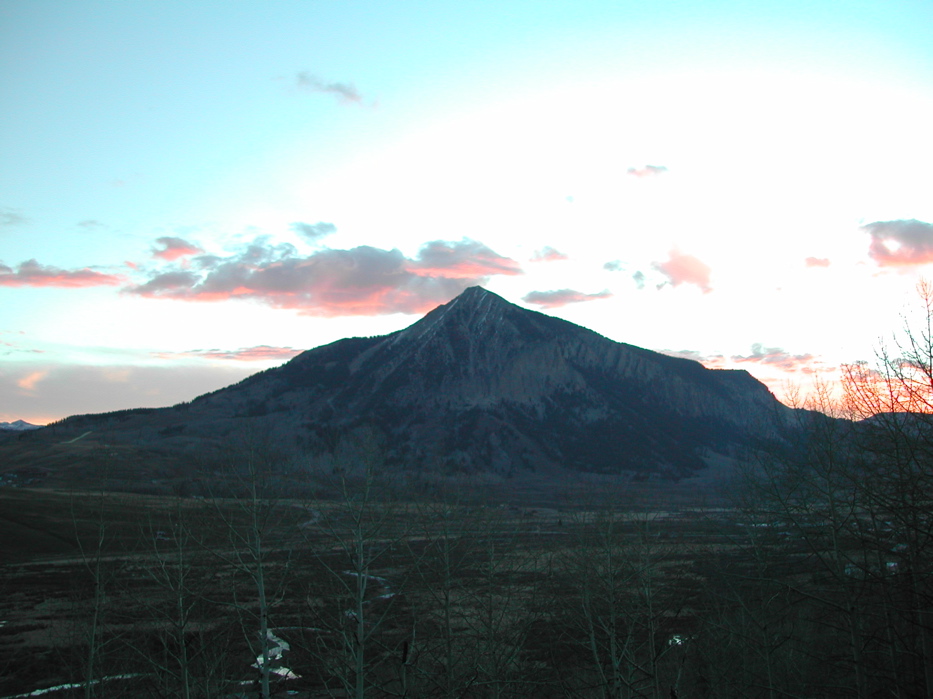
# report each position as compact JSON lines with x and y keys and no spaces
{"x":481,"y":384}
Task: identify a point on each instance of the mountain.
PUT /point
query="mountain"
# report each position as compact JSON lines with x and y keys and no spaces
{"x":18,"y":426}
{"x":478,"y":384}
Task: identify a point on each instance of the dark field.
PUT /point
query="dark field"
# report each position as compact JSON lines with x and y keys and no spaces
{"x":603,"y":589}
{"x":466,"y":600}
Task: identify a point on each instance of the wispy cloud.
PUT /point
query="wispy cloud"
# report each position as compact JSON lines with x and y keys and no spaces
{"x":681,"y":268}
{"x":346,"y":92}
{"x":359,"y":281}
{"x":313,"y":231}
{"x":647,"y":171}
{"x":260,"y":353}
{"x":817,"y":262}
{"x":31,"y":273}
{"x":11,"y":217}
{"x":562,"y":297}
{"x":779,"y":358}
{"x":900,"y":243}
{"x":169,"y":248}
{"x":29,"y":382}
{"x":548,"y":254}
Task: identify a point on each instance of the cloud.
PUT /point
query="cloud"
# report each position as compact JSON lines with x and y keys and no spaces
{"x":900,"y":243}
{"x":647,"y":171}
{"x":90,"y":224}
{"x":29,"y":382}
{"x":614,"y":266}
{"x":684,"y":269}
{"x":31,"y":273}
{"x":313,"y":231}
{"x":817,"y":262}
{"x":562,"y":297}
{"x":167,"y":284}
{"x":8,"y":348}
{"x":548,"y":254}
{"x":778,"y":358}
{"x":360,"y":281}
{"x":466,"y":259}
{"x":639,"y":279}
{"x":347,"y":92}
{"x":173,"y":248}
{"x":260,"y":353}
{"x":11,"y":217}
{"x":712,"y":361}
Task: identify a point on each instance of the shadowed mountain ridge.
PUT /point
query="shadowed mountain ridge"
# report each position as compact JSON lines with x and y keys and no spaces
{"x":478,"y":384}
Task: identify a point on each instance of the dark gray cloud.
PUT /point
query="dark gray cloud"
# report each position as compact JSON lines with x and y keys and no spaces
{"x":359,"y":281}
{"x":562,"y":297}
{"x":466,"y":258}
{"x":900,"y":243}
{"x":346,"y":92}
{"x":313,"y":231}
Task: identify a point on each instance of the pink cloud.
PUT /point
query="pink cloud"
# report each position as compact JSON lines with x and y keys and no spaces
{"x":29,"y":382}
{"x":817,"y":262}
{"x":260,"y":353}
{"x":548,"y":254}
{"x":562,"y":297}
{"x":685,"y":269}
{"x":173,"y":248}
{"x":360,"y":281}
{"x":779,"y":359}
{"x":900,"y":243}
{"x":31,"y":273}
{"x":647,"y":171}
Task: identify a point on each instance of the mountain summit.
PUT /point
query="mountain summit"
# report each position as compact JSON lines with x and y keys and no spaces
{"x":479,"y":384}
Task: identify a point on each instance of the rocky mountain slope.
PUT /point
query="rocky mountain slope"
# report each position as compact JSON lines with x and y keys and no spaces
{"x":478,"y":384}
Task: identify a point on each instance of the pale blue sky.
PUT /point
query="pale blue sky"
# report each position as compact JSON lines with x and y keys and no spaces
{"x":501,"y":143}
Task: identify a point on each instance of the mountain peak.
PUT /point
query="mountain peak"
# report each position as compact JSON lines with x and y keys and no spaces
{"x":476,"y":294}
{"x":475,"y":310}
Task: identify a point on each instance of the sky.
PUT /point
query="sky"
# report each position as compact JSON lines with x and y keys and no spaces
{"x":194,"y":192}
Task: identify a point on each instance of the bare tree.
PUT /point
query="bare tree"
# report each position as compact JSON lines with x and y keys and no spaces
{"x":351,"y":605}
{"x":252,"y":515}
{"x":178,"y":639}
